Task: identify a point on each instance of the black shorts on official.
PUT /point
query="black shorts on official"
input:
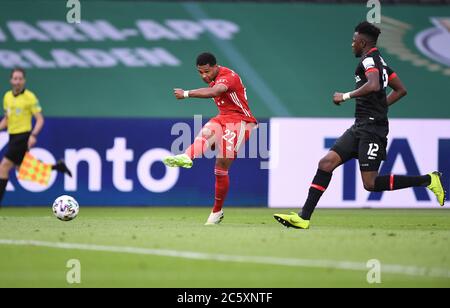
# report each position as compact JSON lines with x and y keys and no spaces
{"x":366,"y":141}
{"x":17,"y":148}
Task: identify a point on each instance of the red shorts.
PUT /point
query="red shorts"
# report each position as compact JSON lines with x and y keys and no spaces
{"x":230,"y":134}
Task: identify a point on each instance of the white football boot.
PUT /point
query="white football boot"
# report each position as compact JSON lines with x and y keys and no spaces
{"x":214,"y":218}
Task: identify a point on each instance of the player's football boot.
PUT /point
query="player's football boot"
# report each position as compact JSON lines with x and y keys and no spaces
{"x":61,"y":166}
{"x":292,"y":221}
{"x":181,"y":160}
{"x":214,"y":218}
{"x":437,"y":188}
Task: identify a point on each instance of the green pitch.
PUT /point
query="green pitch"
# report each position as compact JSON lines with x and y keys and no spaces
{"x":254,"y":250}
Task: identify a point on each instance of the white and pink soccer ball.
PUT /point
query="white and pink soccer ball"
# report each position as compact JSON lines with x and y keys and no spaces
{"x":66,"y":208}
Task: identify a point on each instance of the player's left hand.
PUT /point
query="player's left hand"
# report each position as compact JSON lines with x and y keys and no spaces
{"x":179,"y":93}
{"x":338,"y":98}
{"x":32,"y":141}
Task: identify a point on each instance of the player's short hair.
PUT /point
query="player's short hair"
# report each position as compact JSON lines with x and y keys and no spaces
{"x":369,"y":30}
{"x":206,"y":58}
{"x":18,"y":69}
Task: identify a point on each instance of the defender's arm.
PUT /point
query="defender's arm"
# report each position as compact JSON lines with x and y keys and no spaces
{"x":372,"y":85}
{"x":398,"y":90}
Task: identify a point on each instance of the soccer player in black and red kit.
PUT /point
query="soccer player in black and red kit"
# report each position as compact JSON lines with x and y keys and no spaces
{"x":366,"y":140}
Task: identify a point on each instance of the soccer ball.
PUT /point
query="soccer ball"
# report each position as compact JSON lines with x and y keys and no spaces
{"x":66,"y":208}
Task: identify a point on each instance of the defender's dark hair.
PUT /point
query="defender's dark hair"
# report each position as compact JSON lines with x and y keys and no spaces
{"x":18,"y":69}
{"x":369,"y":30}
{"x":206,"y":58}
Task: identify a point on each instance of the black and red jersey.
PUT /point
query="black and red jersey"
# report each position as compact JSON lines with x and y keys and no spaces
{"x":374,"y":105}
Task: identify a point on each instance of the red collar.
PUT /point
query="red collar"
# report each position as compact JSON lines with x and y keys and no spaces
{"x":372,"y":50}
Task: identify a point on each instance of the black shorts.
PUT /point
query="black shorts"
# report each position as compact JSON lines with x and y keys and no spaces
{"x":365,"y":141}
{"x":17,"y":148}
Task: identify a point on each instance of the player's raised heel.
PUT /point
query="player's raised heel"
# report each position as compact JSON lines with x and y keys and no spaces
{"x":437,"y":188}
{"x":181,"y":160}
{"x":292,"y":221}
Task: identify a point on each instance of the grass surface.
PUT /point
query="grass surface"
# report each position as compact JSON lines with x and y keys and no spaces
{"x":418,"y":238}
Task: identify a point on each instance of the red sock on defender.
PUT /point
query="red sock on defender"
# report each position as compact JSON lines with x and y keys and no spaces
{"x":197,"y":149}
{"x":222,"y":186}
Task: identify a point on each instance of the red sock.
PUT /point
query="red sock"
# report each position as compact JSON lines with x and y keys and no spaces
{"x":197,"y":149}
{"x":222,"y":185}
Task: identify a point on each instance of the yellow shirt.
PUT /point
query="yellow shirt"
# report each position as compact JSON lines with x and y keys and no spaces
{"x":20,"y":110}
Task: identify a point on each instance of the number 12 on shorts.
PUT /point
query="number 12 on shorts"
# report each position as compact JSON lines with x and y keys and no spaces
{"x":373,"y":149}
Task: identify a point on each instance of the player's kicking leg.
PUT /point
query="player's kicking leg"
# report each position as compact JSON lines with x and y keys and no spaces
{"x":202,"y":143}
{"x":319,"y":184}
{"x":205,"y":140}
{"x":229,"y":141}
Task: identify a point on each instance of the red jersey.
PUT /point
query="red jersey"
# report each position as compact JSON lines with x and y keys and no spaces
{"x":233,"y":103}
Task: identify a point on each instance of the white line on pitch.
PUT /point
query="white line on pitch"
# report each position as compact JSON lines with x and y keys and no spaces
{"x":324,"y":264}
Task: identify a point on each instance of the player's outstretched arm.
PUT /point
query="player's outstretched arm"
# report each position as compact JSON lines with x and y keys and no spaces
{"x":215,"y":91}
{"x":398,"y":92}
{"x":372,"y":85}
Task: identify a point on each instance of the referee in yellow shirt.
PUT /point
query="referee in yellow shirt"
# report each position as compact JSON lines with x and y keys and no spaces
{"x":20,"y":106}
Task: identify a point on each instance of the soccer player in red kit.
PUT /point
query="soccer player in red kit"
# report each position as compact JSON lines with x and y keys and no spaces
{"x":226,"y":132}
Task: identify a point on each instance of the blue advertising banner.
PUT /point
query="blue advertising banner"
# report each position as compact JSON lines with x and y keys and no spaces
{"x":117,"y":162}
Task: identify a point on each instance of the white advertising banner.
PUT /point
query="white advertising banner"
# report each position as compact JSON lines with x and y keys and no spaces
{"x":297,"y":144}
